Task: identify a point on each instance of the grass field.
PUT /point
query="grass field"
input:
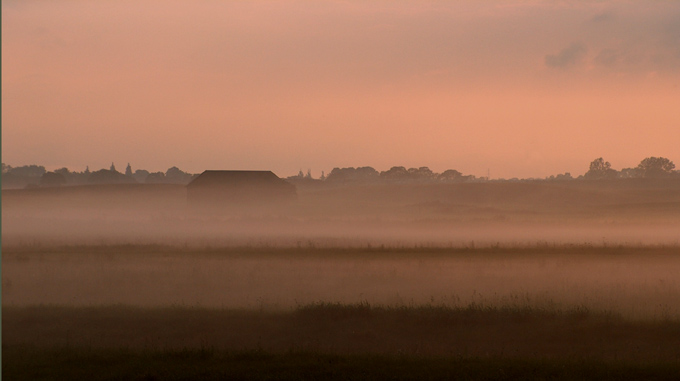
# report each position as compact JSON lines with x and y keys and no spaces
{"x":206,"y":364}
{"x":150,"y":312}
{"x":635,"y":282}
{"x":333,"y":341}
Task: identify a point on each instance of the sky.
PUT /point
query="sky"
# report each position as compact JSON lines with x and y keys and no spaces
{"x":516,"y":88}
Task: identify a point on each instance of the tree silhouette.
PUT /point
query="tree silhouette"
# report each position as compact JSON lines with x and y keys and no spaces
{"x":107,"y":176}
{"x":450,"y":175}
{"x":395,"y":173}
{"x":140,"y":175}
{"x":155,"y":178}
{"x":422,"y":173}
{"x":28,"y":170}
{"x":52,"y":179}
{"x":352,"y":174}
{"x":655,"y":167}
{"x":177,"y":176}
{"x":600,"y":169}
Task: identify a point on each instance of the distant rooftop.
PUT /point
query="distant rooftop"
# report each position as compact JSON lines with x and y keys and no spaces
{"x":211,"y":178}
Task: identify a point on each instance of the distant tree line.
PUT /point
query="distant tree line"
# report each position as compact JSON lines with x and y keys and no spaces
{"x":395,"y":175}
{"x":36,"y":176}
{"x":651,"y":167}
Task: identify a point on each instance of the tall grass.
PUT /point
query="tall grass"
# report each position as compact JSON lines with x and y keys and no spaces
{"x":28,"y":363}
{"x":334,"y":341}
{"x":637,"y":282}
{"x":361,"y":328}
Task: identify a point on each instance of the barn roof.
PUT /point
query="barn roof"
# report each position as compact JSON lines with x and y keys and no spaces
{"x":230,"y":178}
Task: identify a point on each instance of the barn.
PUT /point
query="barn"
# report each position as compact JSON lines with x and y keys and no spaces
{"x":231,"y":190}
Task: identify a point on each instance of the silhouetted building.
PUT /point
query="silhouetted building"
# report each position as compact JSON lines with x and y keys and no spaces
{"x":232,"y":190}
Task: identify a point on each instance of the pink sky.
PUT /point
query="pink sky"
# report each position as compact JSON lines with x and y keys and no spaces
{"x":522,"y":88}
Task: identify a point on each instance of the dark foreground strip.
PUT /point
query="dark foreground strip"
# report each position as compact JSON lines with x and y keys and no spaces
{"x":30,"y":363}
{"x":468,"y":332}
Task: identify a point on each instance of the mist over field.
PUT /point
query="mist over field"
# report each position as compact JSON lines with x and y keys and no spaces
{"x":575,"y":275}
{"x":605,"y":245}
{"x":422,"y":266}
{"x":638,"y":284}
{"x":637,"y":211}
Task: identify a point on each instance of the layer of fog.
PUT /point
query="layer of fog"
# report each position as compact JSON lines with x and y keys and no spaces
{"x":638,"y":284}
{"x":38,"y":269}
{"x":391,"y":215}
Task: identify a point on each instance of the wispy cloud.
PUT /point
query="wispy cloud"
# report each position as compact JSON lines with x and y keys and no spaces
{"x":602,"y":17}
{"x":567,"y":57}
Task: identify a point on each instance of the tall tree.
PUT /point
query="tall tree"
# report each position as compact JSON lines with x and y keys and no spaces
{"x":655,"y":167}
{"x":600,"y":169}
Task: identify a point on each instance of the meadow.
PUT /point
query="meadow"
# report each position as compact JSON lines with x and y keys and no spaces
{"x":168,"y":312}
{"x":333,"y":341}
{"x":635,"y":282}
{"x":348,"y":285}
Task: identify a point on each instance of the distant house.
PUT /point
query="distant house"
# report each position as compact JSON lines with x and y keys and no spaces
{"x":227,"y":190}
